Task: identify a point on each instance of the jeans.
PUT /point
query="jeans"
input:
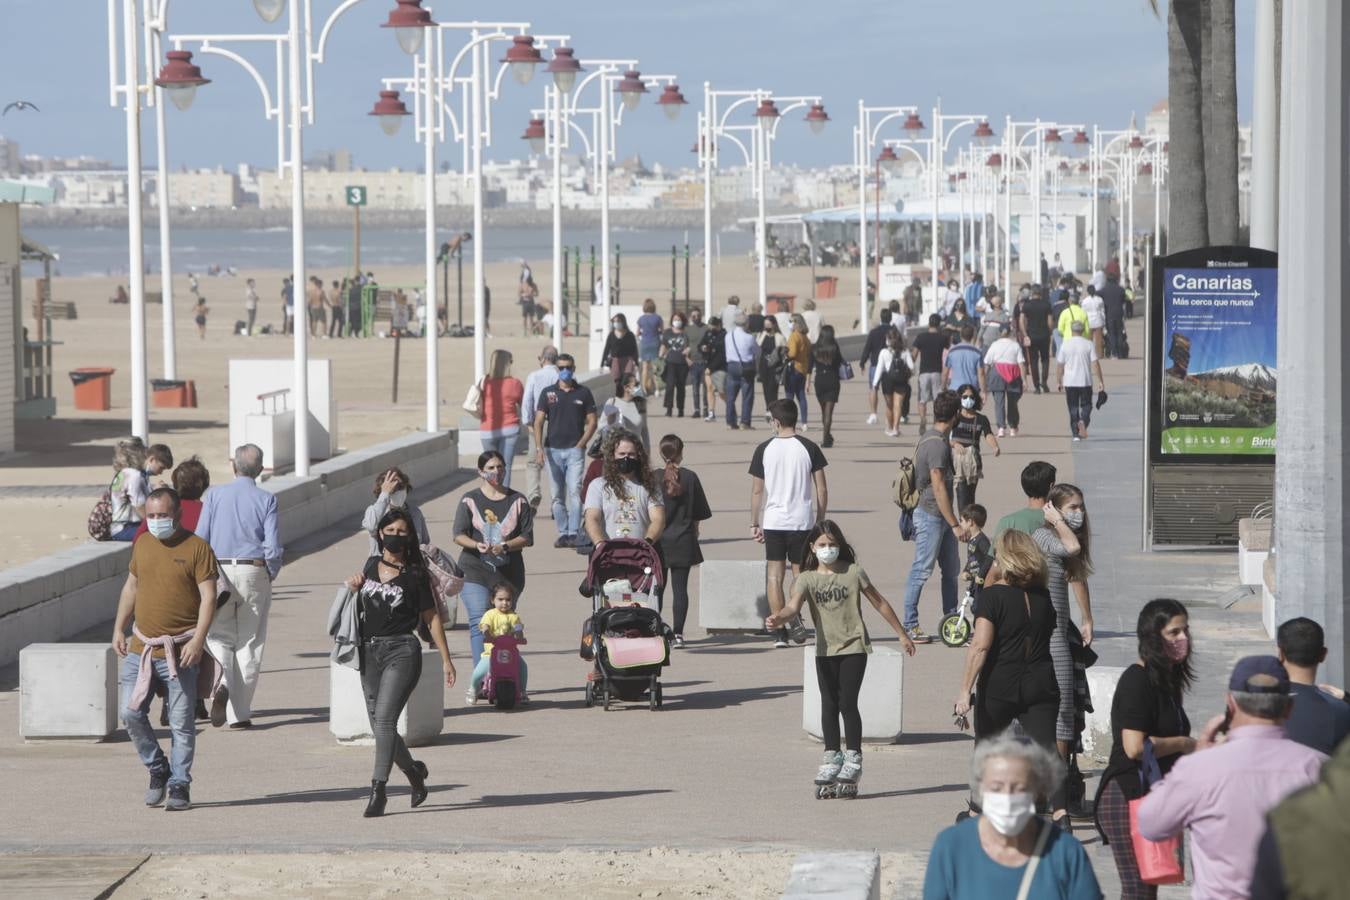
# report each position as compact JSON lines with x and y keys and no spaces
{"x":123,"y":531}
{"x":506,"y":446}
{"x":476,"y":598}
{"x":182,"y":703}
{"x":934,"y":544}
{"x":740,"y":380}
{"x":700,"y":388}
{"x":1006,"y":414}
{"x":389,"y":672}
{"x":795,"y":389}
{"x":480,"y":671}
{"x":1038,"y":360}
{"x":565,"y":468}
{"x":1080,"y":407}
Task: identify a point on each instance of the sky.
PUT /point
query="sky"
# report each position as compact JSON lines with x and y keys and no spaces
{"x":1090,"y":61}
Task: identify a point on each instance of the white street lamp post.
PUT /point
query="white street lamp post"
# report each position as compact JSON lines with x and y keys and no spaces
{"x":945,"y":127}
{"x":864,"y":142}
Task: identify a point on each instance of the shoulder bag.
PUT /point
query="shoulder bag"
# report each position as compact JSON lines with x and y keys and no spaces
{"x":1160,"y":862}
{"x":473,"y":400}
{"x":1029,"y":873}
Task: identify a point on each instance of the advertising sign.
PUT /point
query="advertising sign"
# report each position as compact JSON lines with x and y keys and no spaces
{"x":1212,"y":356}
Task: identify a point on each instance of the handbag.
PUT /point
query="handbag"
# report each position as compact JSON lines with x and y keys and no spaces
{"x":447,"y":579}
{"x":473,"y":400}
{"x":845,"y":371}
{"x":1160,"y":862}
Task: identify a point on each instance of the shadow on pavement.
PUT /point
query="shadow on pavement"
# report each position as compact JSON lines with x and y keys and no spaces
{"x":491,"y":801}
{"x":727,"y":698}
{"x":324,"y":795}
{"x":461,"y":738}
{"x":912,"y":792}
{"x":941,"y":737}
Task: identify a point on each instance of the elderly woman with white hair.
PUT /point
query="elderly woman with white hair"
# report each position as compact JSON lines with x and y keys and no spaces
{"x":1008,"y":851}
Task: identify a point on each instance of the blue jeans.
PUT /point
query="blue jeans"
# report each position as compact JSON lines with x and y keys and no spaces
{"x":700,"y":389}
{"x":565,"y":469}
{"x":480,"y":672}
{"x":934,"y":543}
{"x":740,"y":380}
{"x":506,"y":446}
{"x":795,"y":389}
{"x":182,"y":702}
{"x":476,"y":599}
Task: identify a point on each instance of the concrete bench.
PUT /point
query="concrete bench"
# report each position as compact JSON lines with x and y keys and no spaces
{"x":880,"y":700}
{"x":1268,"y":596}
{"x":1102,"y":682}
{"x":68,"y":691}
{"x":840,"y":876}
{"x":420,"y":722}
{"x":1254,"y":541}
{"x":732,"y":595}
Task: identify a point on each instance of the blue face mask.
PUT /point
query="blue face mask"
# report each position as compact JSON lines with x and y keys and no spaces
{"x":161,"y":528}
{"x":566,"y":374}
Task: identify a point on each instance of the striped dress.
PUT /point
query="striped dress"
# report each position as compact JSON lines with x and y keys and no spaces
{"x":1058,"y":583}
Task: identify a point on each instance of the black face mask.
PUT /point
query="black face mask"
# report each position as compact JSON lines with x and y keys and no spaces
{"x":627,"y":464}
{"x":394,"y":543}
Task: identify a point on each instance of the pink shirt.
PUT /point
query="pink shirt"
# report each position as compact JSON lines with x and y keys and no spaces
{"x":1222,"y":795}
{"x":501,"y":404}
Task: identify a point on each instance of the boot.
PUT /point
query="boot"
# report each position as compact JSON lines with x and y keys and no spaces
{"x":417,"y":777}
{"x":377,"y":800}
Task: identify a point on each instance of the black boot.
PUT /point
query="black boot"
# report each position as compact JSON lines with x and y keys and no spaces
{"x":417,"y":777}
{"x":377,"y":800}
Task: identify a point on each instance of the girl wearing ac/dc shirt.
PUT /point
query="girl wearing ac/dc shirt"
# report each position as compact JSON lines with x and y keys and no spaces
{"x":393,"y":598}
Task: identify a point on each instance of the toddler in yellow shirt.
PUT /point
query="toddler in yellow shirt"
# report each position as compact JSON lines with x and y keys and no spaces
{"x":498,"y":621}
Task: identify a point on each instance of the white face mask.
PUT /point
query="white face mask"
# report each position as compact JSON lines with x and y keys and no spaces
{"x":162,"y":529}
{"x":398,"y":497}
{"x":1008,"y":813}
{"x":827,"y":555}
{"x":1074,"y":518}
{"x":967,"y":402}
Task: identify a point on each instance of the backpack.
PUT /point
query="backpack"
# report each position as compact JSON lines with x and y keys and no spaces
{"x":101,"y":516}
{"x":899,"y":369}
{"x":905,"y":487}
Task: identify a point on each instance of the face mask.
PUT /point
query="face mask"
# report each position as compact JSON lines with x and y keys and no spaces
{"x":618,"y":329}
{"x":1074,"y":518}
{"x":394,"y":543}
{"x":677,"y":326}
{"x":491,"y":477}
{"x":638,"y":392}
{"x":398,"y":497}
{"x":967,"y":402}
{"x":627,"y":464}
{"x":566,"y":374}
{"x":1178,"y":649}
{"x":161,"y":528}
{"x":1008,"y":813}
{"x":827,"y":555}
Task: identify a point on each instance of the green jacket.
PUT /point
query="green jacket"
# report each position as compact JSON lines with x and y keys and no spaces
{"x":1312,"y":833}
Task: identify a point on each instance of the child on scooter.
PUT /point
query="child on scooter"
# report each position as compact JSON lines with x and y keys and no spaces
{"x":496,"y":622}
{"x":979,"y":552}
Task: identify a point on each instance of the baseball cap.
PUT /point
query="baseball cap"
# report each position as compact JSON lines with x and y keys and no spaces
{"x":1259,"y":675}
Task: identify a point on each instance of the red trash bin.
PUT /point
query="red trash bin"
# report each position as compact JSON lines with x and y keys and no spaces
{"x":93,"y":388}
{"x":826,"y":286}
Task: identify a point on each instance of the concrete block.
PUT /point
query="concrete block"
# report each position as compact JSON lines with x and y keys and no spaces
{"x":839,"y":876}
{"x":1102,"y":682}
{"x":67,"y":691}
{"x":420,"y":721}
{"x":1251,"y":562}
{"x":880,"y":700}
{"x":1256,"y":534}
{"x":1268,"y":596}
{"x":732,"y":595}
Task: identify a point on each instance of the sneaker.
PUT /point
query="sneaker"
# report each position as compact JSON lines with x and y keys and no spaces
{"x":919,"y":636}
{"x":179,"y":799}
{"x":679,"y":642}
{"x":890,"y":433}
{"x":1012,"y":432}
{"x":1076,"y":439}
{"x":218,"y":701}
{"x":780,"y":638}
{"x":1001,"y":433}
{"x":734,"y":427}
{"x":872,"y":419}
{"x":904,"y":420}
{"x":154,"y":794}
{"x":797,"y":630}
{"x":565,"y":540}
{"x":802,"y":428}
{"x":523,"y":697}
{"x":470,"y":697}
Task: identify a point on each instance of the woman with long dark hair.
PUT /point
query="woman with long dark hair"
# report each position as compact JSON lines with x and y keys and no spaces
{"x":625,"y":501}
{"x":686,"y":506}
{"x":675,"y":347}
{"x":833,"y":584}
{"x":970,"y":426}
{"x":772,"y":359}
{"x":1147,"y":707}
{"x":799,"y":367}
{"x":826,"y":357}
{"x":394,"y":597}
{"x":620,"y":355}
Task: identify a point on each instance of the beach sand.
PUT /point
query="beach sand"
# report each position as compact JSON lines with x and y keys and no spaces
{"x":71,"y":454}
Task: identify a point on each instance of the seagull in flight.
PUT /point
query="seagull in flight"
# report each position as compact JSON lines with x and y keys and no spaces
{"x":20,"y":105}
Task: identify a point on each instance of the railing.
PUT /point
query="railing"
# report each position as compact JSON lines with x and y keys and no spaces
{"x":280,"y":400}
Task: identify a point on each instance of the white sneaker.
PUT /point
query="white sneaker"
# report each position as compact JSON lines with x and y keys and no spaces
{"x":872,"y":419}
{"x":470,"y":698}
{"x":1001,"y":432}
{"x":1012,"y":432}
{"x":802,"y":428}
{"x":890,"y":433}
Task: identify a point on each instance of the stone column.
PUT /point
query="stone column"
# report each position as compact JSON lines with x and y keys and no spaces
{"x":1265,"y":188}
{"x":1314,"y":225}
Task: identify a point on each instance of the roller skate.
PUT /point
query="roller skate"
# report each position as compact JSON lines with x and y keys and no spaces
{"x":826,"y":787}
{"x":850,"y":773}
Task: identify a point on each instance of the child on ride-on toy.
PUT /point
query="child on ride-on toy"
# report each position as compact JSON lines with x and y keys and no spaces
{"x":499,"y":621}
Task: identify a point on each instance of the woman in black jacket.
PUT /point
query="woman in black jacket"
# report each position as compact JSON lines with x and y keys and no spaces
{"x":621,"y":351}
{"x":686,"y":506}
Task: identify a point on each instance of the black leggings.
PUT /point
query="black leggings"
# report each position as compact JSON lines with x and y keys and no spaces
{"x":677,"y":374}
{"x":840,"y":679}
{"x":769,"y":383}
{"x":678,"y":579}
{"x":992,"y":718}
{"x":1038,"y":360}
{"x":389,"y":672}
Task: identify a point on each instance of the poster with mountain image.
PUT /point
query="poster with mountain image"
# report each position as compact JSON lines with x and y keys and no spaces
{"x":1219,"y":373}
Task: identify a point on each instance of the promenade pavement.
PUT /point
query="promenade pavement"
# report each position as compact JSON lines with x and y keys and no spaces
{"x":724,"y":766}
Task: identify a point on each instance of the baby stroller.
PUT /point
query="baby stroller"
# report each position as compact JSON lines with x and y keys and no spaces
{"x":624,"y":636}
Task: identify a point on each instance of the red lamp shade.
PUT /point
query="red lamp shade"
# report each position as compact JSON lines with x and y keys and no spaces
{"x":671,"y":101}
{"x":536,"y":135}
{"x":766,"y":113}
{"x":564,"y":67}
{"x":522,"y":56}
{"x":1136,"y":143}
{"x":1083,"y":168}
{"x":888,"y":159}
{"x":995,"y":161}
{"x":1064,"y":165}
{"x":817,"y":118}
{"x":410,"y":22}
{"x":630,"y":89}
{"x":180,"y":78}
{"x":390,"y":111}
{"x":983,"y":133}
{"x":1080,"y":138}
{"x":1146,"y":169}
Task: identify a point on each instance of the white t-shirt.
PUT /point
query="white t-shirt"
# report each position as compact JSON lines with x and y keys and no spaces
{"x":1077,"y":355}
{"x":1096,"y":310}
{"x":623,"y":518}
{"x":1004,"y":350}
{"x":787,"y":466}
{"x":128,"y":491}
